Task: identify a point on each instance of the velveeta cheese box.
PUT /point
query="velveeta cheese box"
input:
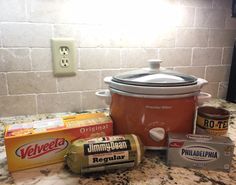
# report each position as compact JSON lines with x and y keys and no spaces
{"x":45,"y":142}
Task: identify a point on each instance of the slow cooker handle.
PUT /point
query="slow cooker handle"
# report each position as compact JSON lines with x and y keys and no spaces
{"x":107,"y":79}
{"x":105,"y":95}
{"x":201,"y":82}
{"x":203,"y":97}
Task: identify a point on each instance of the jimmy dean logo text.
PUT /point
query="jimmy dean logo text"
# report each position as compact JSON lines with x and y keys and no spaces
{"x":40,"y":148}
{"x":112,"y":146}
{"x":199,"y":153}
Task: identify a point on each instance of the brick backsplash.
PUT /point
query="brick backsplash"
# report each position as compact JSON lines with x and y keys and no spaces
{"x":200,"y":44}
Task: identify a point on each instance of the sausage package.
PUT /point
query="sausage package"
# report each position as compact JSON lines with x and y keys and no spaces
{"x":45,"y":142}
{"x":200,"y":151}
{"x":104,"y":153}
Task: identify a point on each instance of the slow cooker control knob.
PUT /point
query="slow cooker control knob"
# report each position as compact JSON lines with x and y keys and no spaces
{"x":157,"y":134}
{"x":154,"y":64}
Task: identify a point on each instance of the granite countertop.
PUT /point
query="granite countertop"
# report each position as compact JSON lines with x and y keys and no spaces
{"x":152,"y":170}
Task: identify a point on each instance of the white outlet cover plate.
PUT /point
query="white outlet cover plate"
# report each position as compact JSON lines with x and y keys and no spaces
{"x":64,"y":56}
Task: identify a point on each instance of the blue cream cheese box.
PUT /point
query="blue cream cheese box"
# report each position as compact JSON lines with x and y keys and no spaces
{"x":200,"y":151}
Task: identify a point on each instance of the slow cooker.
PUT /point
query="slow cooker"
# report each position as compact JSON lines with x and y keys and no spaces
{"x":153,"y":101}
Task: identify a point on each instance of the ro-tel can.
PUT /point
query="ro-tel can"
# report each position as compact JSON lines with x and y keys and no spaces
{"x":212,"y":120}
{"x":104,"y":153}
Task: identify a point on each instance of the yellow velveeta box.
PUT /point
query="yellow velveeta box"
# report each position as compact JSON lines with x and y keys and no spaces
{"x":45,"y":142}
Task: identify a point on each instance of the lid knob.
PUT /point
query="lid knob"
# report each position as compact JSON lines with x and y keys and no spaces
{"x":154,"y":64}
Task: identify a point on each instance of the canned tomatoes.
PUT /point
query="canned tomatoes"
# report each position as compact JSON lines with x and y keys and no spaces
{"x":212,"y":120}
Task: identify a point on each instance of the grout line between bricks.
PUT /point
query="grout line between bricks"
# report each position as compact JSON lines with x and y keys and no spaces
{"x":222,"y":55}
{"x":27,"y":11}
{"x":218,"y":90}
{"x":57,"y":86}
{"x":6,"y":81}
{"x":30,"y":57}
{"x":191,"y":59}
{"x":36,"y":103}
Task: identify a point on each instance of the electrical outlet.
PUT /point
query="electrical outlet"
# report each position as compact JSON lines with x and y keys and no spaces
{"x":64,"y":56}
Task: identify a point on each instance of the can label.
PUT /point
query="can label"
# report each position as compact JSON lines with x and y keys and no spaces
{"x":211,"y":126}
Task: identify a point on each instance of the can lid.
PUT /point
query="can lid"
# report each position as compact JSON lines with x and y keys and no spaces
{"x":213,"y":112}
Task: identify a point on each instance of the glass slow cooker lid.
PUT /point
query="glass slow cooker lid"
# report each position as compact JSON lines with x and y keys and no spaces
{"x":155,"y":76}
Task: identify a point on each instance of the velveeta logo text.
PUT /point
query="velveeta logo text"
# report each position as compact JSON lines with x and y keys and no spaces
{"x":40,"y":148}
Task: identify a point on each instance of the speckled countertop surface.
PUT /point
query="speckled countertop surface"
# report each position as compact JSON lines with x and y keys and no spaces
{"x":152,"y":170}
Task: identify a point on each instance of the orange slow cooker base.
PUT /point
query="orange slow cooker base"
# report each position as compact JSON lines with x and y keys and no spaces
{"x":132,"y":115}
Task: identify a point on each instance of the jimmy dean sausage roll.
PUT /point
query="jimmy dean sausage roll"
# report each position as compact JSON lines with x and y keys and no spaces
{"x":104,"y":153}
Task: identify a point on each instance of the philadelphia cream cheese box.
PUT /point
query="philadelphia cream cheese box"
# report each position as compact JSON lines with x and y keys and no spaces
{"x":200,"y":151}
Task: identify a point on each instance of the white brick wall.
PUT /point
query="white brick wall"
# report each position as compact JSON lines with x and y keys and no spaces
{"x":13,"y":10}
{"x":26,"y":35}
{"x":201,"y":44}
{"x":15,"y":59}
